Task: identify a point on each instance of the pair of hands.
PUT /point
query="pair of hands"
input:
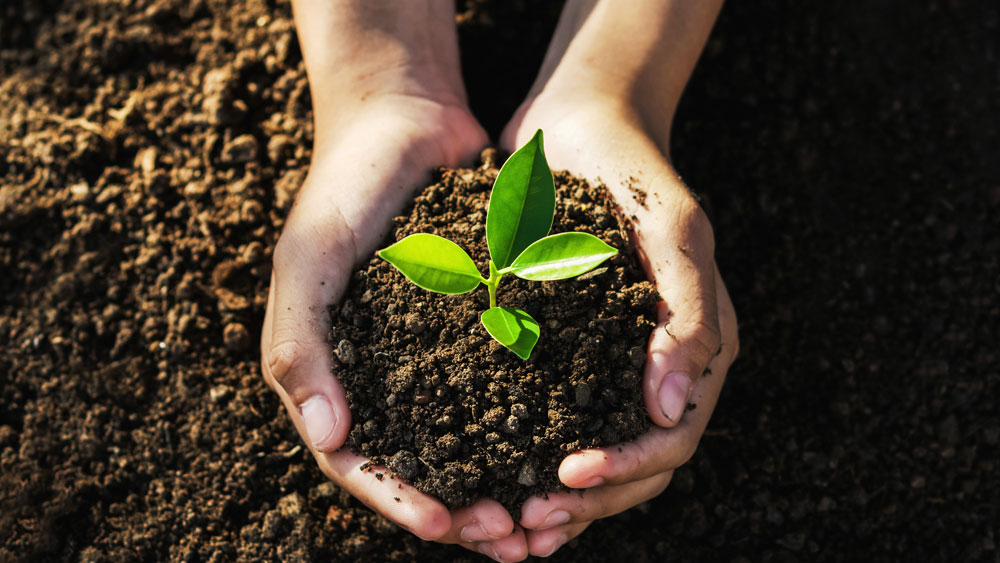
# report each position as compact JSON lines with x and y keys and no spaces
{"x":344,"y":208}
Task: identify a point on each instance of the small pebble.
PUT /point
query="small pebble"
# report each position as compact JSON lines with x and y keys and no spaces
{"x":346,"y":353}
{"x":528,"y":476}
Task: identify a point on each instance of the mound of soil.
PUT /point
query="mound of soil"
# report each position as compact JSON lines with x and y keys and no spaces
{"x":452,"y":411}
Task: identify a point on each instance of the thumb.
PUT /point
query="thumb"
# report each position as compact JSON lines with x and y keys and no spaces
{"x":295,"y":355}
{"x":680,"y":348}
{"x":686,"y":336}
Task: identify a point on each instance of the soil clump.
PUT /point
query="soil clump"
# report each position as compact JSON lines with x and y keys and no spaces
{"x":454,"y":412}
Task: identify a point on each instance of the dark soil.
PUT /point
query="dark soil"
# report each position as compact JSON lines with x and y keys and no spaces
{"x":455,"y":413}
{"x":847,"y":157}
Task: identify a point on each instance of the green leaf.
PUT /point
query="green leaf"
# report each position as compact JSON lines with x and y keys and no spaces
{"x":522,"y":204}
{"x":513,"y":328}
{"x":433,"y":263}
{"x":561,"y":256}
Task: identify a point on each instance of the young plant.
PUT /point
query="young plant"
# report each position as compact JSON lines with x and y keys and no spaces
{"x":518,"y":220}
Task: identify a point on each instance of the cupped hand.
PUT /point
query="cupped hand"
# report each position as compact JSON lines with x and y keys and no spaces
{"x":362,"y":175}
{"x":695,"y":340}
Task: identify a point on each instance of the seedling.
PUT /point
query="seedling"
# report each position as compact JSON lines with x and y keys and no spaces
{"x":518,"y":220}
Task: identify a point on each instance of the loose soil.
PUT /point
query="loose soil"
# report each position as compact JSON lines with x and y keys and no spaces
{"x":847,"y":158}
{"x":451,"y":410}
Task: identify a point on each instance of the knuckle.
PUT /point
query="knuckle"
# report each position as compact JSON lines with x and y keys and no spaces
{"x":631,"y":459}
{"x":703,"y":342}
{"x":283,"y":361}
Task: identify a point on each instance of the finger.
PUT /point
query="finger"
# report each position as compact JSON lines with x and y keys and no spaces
{"x":397,"y":500}
{"x":544,"y":543}
{"x":687,"y":335}
{"x":295,"y":360}
{"x":660,"y":449}
{"x":511,"y":548}
{"x":486,"y":520}
{"x":558,"y":509}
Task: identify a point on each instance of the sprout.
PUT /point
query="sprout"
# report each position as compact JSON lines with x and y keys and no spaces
{"x":521,"y":209}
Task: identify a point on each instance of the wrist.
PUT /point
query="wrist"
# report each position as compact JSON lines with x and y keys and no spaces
{"x":363,"y":52}
{"x":636,"y":58}
{"x":569,"y":111}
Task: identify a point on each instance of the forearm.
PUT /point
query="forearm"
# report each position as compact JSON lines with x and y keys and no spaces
{"x":358,"y":50}
{"x":637,"y":54}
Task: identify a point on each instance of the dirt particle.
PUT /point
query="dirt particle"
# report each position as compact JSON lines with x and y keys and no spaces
{"x":7,"y":435}
{"x":512,"y":425}
{"x":592,"y":274}
{"x":346,"y":352}
{"x":637,"y":356}
{"x":528,"y":475}
{"x":280,"y":148}
{"x":414,"y":324}
{"x":236,"y":337}
{"x":219,"y":393}
{"x":582,"y":394}
{"x":406,"y":465}
{"x":290,"y":505}
{"x":240,"y":150}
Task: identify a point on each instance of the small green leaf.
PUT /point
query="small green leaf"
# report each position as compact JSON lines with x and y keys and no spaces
{"x":513,"y":328}
{"x":561,"y":256}
{"x":433,"y":263}
{"x":522,"y":204}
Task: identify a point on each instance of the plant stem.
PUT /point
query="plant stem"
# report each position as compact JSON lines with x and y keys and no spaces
{"x":492,"y":282}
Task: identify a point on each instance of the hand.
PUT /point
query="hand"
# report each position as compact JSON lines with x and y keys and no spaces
{"x":388,"y":107}
{"x":697,"y":324}
{"x":389,"y":149}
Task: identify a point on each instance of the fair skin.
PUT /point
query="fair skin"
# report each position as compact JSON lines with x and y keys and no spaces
{"x":389,"y":105}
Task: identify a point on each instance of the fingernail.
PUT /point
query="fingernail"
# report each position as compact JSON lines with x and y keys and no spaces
{"x":592,"y":482}
{"x":476,"y":532}
{"x":555,"y":518}
{"x":674,"y":393}
{"x":488,"y":550}
{"x":319,"y":418}
{"x":560,"y":541}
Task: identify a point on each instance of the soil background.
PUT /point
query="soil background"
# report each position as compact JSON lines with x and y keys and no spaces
{"x":847,"y":155}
